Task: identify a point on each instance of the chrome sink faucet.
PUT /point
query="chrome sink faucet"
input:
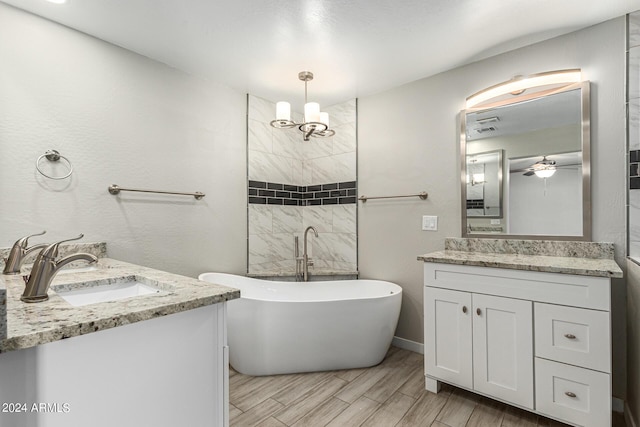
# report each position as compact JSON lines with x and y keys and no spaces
{"x":19,"y":252}
{"x":46,"y":267}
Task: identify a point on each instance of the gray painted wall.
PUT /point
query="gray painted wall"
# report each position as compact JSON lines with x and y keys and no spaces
{"x":121,"y":119}
{"x":408,"y":142}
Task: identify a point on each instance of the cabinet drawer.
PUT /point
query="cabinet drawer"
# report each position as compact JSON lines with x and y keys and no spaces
{"x":573,"y":394}
{"x":573,"y":335}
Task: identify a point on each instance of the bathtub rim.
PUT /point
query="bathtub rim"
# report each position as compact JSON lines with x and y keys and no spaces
{"x":398,"y":289}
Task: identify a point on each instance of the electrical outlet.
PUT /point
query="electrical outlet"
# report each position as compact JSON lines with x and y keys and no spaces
{"x":495,"y":222}
{"x":429,"y":223}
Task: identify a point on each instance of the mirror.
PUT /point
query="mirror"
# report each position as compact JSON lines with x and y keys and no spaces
{"x":525,"y":164}
{"x":484,"y":184}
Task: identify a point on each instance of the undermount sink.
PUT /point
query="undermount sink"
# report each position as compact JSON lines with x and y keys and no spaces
{"x":112,"y":289}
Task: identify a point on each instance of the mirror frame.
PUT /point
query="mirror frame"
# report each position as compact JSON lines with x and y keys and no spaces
{"x":535,"y":92}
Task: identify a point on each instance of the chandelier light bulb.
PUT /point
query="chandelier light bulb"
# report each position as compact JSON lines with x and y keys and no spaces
{"x":311,"y":112}
{"x":283,"y":111}
{"x":324,"y":118}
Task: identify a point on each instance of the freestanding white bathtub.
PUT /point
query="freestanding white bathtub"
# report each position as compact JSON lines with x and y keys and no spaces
{"x":288,"y":327}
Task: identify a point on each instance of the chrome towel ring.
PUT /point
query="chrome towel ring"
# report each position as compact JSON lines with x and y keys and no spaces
{"x":54,"y":156}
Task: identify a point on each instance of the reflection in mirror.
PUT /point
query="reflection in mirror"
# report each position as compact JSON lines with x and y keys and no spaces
{"x":484,"y":184}
{"x":540,"y":185}
{"x":542,"y":137}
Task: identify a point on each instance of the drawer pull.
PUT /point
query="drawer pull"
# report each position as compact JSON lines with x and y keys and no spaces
{"x":464,"y":309}
{"x":478,"y":312}
{"x":570,"y":394}
{"x":570,"y":336}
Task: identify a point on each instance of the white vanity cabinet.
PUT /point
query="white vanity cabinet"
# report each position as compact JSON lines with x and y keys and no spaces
{"x":163,"y":372}
{"x":537,"y":340}
{"x":489,"y":349}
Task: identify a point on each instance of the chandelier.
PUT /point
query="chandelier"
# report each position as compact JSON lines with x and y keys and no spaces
{"x":316,"y":123}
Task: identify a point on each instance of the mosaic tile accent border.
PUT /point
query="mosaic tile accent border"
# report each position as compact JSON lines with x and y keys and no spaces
{"x":634,"y":169}
{"x":271,"y":193}
{"x":475,"y":203}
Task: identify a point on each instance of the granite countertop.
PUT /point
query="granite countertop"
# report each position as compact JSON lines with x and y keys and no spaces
{"x":33,"y":324}
{"x":602,"y":267}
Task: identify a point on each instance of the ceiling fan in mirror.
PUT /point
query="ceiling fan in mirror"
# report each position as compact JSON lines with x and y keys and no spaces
{"x":546,"y":168}
{"x":543,"y":168}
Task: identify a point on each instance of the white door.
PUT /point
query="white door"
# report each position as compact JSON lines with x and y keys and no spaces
{"x":448,"y":353}
{"x":503,"y":348}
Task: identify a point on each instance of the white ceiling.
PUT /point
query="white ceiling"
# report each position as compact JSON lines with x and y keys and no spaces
{"x":354,"y":47}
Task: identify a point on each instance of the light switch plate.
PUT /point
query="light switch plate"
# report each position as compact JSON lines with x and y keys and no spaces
{"x":429,"y":223}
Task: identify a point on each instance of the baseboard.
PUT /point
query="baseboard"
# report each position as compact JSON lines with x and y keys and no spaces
{"x":617,"y":405}
{"x":628,"y":417}
{"x":408,"y":345}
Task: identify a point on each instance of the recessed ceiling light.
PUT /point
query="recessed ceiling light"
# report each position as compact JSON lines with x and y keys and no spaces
{"x":57,"y":1}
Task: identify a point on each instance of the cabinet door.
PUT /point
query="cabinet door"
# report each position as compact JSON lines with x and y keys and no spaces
{"x":448,"y":353}
{"x":503,"y":348}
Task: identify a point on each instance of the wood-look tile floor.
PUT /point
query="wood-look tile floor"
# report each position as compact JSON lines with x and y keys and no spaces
{"x":387,"y":395}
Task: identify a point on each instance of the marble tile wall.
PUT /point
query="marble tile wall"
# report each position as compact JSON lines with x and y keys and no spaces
{"x":281,"y":156}
{"x":633,"y":126}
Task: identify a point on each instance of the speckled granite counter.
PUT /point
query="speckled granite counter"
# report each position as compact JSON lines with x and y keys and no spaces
{"x":29,"y":325}
{"x":581,"y":258}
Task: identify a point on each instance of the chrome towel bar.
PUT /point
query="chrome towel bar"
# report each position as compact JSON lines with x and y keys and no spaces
{"x":114,"y":189}
{"x":423,"y":195}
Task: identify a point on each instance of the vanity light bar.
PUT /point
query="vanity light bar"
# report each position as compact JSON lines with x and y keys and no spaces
{"x":519,"y":84}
